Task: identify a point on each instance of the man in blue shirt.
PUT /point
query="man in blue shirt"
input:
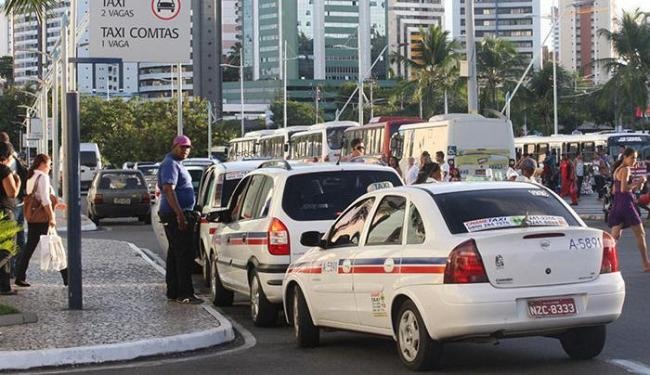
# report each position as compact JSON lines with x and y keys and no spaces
{"x":176,"y":201}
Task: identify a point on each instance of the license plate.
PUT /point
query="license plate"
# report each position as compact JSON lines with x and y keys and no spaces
{"x":549,"y":308}
{"x":122,"y":201}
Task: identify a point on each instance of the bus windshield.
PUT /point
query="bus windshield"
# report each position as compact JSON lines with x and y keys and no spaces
{"x":335,"y":138}
{"x":636,"y":141}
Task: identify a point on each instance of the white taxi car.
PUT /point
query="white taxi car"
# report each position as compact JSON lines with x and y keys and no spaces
{"x":445,"y":262}
{"x":258,"y":235}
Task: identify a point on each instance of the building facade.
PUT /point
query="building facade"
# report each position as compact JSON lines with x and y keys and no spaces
{"x":580,"y":44}
{"x":514,"y":20}
{"x":405,"y":18}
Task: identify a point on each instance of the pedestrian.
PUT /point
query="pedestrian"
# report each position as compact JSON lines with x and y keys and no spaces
{"x":9,"y":188}
{"x":601,"y":172}
{"x":454,"y":173}
{"x":425,"y":157}
{"x":40,"y":188}
{"x":567,"y":179}
{"x":444,"y":166}
{"x":19,"y":168}
{"x":393,"y":162}
{"x":430,"y":172}
{"x":511,"y":173}
{"x":623,"y":213}
{"x":580,"y":173}
{"x":411,"y":171}
{"x":176,"y":205}
{"x":527,"y":167}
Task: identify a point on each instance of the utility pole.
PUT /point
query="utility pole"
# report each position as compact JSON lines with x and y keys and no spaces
{"x":317,"y":99}
{"x":241,"y":87}
{"x":179,"y":128}
{"x":209,"y":130}
{"x":284,"y":78}
{"x":470,"y":45}
{"x":555,"y":124}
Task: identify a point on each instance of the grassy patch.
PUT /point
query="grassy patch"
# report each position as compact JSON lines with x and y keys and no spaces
{"x":6,"y":310}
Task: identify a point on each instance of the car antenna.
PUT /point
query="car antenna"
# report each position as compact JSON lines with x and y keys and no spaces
{"x":338,"y":162}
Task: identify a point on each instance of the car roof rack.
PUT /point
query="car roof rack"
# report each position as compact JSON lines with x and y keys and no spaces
{"x":278,"y":163}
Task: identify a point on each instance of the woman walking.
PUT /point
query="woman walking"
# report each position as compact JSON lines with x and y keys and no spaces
{"x":623,"y":213}
{"x":9,"y":188}
{"x":38,"y":185}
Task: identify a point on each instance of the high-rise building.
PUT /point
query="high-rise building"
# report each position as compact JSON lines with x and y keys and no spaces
{"x":581,"y":46}
{"x":405,"y":18}
{"x":229,"y":25}
{"x":5,"y":48}
{"x":514,"y":20}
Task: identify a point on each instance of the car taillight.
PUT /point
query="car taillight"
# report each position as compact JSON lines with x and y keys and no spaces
{"x":465,"y":265}
{"x":610,"y":255}
{"x":99,"y":198}
{"x":278,"y":238}
{"x":146,"y":198}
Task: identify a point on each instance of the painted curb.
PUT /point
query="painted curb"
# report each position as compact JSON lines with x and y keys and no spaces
{"x":18,"y":318}
{"x":27,"y":359}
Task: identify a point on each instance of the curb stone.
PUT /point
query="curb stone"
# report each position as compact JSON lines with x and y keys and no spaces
{"x":19,"y":318}
{"x":95,"y":354}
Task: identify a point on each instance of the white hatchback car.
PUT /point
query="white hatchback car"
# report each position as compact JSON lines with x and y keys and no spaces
{"x":258,"y":235}
{"x":437,"y":263}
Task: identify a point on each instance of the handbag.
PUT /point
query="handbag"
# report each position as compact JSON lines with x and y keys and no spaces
{"x":33,"y":208}
{"x":53,"y":255}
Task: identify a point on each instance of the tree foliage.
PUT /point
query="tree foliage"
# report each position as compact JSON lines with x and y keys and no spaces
{"x":298,"y":113}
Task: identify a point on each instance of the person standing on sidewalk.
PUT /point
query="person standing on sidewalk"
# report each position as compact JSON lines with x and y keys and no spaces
{"x":40,"y":188}
{"x":580,"y":173}
{"x":623,"y":213}
{"x":9,"y":188}
{"x":176,"y":204}
{"x":20,"y":169}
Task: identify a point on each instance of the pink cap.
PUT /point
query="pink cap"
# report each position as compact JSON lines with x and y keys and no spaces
{"x":182,"y":140}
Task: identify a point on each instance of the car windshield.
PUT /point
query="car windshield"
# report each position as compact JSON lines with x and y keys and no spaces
{"x":478,"y":210}
{"x":88,"y":159}
{"x":335,"y":138}
{"x":324,"y":195}
{"x":121,"y":181}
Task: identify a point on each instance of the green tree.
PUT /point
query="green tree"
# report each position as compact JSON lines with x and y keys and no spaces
{"x":298,"y":113}
{"x":540,"y":94}
{"x":630,"y":81}
{"x":7,"y":69}
{"x":437,"y":67}
{"x":498,"y":63}
{"x":38,"y":7}
{"x":231,"y":74}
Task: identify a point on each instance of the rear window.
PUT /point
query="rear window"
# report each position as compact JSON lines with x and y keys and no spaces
{"x":196,"y":178}
{"x":224,"y":191}
{"x":121,"y":181}
{"x":324,"y":195}
{"x":461,"y":210}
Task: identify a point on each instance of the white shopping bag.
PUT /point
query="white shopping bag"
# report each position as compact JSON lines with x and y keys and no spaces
{"x":53,"y":256}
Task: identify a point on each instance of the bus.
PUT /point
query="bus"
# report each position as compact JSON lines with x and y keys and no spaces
{"x":246,"y":146}
{"x":479,"y":146}
{"x":321,"y":142}
{"x":276,"y":144}
{"x":376,"y":135}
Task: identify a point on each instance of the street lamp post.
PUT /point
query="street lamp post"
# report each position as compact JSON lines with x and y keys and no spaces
{"x":241,"y":85}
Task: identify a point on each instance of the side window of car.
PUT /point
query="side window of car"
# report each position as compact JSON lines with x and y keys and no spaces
{"x":237,"y":198}
{"x":250,"y":200}
{"x":347,"y":230}
{"x":415,"y":233}
{"x":388,"y":223}
{"x":264,"y":201}
{"x":204,"y":187}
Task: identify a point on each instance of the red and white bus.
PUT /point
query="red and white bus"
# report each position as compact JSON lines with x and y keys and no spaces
{"x":376,"y":135}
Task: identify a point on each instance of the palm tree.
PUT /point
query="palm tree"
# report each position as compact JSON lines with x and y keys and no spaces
{"x":437,"y":67}
{"x":498,"y":64}
{"x":540,"y":90}
{"x":631,"y":69}
{"x":38,"y":7}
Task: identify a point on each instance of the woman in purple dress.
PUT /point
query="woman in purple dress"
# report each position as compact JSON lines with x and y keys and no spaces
{"x":623,"y":213}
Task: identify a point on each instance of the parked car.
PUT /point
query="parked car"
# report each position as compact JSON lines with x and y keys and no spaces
{"x":258,"y":234}
{"x":117,"y":193}
{"x":440,"y":263}
{"x":150,"y":173}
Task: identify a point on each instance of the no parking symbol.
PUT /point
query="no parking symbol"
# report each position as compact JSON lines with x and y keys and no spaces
{"x":166,"y":10}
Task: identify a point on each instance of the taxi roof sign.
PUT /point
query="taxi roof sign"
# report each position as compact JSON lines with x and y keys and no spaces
{"x":379,"y":185}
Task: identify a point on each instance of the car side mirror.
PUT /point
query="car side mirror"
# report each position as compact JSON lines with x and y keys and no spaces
{"x":224,"y":216}
{"x":312,"y":239}
{"x":214,"y":216}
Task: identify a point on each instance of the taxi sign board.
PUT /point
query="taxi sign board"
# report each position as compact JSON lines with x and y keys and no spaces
{"x":157,"y":31}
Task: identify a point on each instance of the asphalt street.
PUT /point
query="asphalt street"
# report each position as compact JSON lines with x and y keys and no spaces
{"x":272,"y":350}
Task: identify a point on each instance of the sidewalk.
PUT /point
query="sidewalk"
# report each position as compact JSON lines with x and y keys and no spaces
{"x":126,"y":314}
{"x":589,"y":207}
{"x":62,"y":222}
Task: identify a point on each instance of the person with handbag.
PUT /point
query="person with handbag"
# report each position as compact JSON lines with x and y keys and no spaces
{"x":39,"y":204}
{"x":9,"y":188}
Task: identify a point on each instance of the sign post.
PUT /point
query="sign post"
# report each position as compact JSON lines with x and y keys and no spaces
{"x":157,"y":31}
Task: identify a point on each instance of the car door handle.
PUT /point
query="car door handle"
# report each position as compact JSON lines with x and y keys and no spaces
{"x":243,"y":238}
{"x":228,"y":240}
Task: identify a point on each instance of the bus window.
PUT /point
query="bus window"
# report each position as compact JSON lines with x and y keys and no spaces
{"x":588,"y":152}
{"x":572,"y":149}
{"x":542,"y":149}
{"x":318,"y":145}
{"x":334,"y":138}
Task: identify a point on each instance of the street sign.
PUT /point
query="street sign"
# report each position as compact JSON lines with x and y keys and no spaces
{"x":156,"y":31}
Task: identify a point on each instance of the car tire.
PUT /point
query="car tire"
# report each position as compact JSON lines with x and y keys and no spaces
{"x":263,"y":312}
{"x":584,"y":343}
{"x":206,"y":269}
{"x":416,"y":349}
{"x":93,"y":218}
{"x":307,"y":334}
{"x":221,"y":297}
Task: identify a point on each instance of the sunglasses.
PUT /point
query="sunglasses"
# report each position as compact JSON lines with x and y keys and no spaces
{"x":360,"y":148}
{"x":186,"y":147}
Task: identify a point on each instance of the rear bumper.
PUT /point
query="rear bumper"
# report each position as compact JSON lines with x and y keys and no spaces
{"x":271,"y":278}
{"x":480,"y":310}
{"x":113,"y":210}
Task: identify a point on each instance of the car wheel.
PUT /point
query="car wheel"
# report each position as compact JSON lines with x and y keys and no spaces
{"x":263,"y":312}
{"x":417,"y":350}
{"x":584,"y":343}
{"x":206,"y":269}
{"x":220,"y":296}
{"x":307,"y":334}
